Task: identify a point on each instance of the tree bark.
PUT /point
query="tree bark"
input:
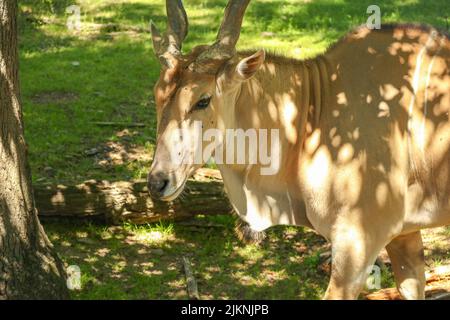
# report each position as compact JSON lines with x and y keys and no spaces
{"x":29,"y":267}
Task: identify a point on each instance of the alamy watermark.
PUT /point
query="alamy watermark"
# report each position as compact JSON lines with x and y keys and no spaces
{"x":374,"y":20}
{"x":234,"y":146}
{"x":374,"y":279}
{"x":73,"y":277}
{"x":74,"y":19}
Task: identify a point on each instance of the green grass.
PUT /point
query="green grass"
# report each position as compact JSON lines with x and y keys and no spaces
{"x":144,"y":262}
{"x":106,"y":72}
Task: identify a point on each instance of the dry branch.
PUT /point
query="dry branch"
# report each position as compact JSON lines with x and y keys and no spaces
{"x":191,"y":284}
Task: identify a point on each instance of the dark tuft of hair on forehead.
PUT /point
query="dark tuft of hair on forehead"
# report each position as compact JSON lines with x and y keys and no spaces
{"x":247,"y":235}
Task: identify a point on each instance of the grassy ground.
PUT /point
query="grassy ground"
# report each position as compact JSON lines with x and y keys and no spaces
{"x":105,"y":72}
{"x":144,"y":262}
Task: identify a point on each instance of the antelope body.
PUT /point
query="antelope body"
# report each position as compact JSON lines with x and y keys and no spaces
{"x":364,"y":138}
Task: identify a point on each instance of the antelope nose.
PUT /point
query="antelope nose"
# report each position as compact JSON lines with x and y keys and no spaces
{"x":157,"y":183}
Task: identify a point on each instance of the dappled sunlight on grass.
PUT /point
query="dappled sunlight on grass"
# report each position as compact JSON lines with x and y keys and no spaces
{"x":250,"y":252}
{"x":149,"y":237}
{"x":436,"y":242}
{"x":81,"y":234}
{"x":150,"y":233}
{"x":129,"y":257}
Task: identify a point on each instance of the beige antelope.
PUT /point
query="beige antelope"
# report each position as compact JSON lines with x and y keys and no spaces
{"x":364,"y":138}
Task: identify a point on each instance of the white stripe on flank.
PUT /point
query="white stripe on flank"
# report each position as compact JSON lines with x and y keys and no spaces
{"x":416,"y":79}
{"x":425,"y":107}
{"x":415,"y":85}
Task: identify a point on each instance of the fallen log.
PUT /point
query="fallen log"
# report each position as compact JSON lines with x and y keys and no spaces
{"x":119,"y":124}
{"x":117,"y":202}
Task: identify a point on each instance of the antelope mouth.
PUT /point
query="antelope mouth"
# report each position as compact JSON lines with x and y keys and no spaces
{"x":171,"y":195}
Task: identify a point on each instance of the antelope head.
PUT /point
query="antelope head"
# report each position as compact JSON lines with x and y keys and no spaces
{"x":198,"y":89}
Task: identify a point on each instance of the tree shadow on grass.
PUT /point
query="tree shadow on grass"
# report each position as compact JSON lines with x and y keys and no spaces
{"x":132,"y":264}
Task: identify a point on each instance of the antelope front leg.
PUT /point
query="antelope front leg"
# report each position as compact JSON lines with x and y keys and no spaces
{"x":408,"y":264}
{"x":353,"y":254}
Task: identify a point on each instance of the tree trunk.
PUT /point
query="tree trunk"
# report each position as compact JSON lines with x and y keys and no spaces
{"x":29,"y":268}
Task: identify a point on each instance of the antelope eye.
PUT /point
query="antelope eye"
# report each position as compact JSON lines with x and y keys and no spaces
{"x":202,"y":103}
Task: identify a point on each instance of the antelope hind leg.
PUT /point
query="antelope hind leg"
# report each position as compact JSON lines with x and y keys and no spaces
{"x":408,"y":264}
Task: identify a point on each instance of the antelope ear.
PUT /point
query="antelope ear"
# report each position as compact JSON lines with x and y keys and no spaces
{"x":247,"y":67}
